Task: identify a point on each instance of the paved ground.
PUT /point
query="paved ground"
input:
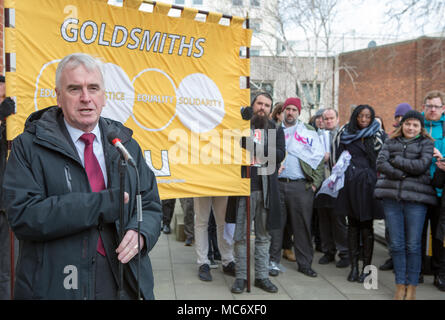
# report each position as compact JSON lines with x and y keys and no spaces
{"x":175,"y":273}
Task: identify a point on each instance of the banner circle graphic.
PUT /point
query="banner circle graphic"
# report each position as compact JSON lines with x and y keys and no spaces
{"x":200,"y":105}
{"x":161,"y":101}
{"x":119,"y":92}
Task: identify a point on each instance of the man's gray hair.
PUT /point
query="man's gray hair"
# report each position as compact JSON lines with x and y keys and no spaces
{"x":74,"y":60}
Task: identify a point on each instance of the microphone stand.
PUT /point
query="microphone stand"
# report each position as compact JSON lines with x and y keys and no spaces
{"x":122,"y":171}
{"x":139,"y":217}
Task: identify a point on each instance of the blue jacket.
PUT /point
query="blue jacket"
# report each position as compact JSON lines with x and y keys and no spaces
{"x":436,"y":130}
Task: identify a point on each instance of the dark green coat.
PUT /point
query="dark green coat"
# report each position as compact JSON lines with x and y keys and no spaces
{"x":55,"y":215}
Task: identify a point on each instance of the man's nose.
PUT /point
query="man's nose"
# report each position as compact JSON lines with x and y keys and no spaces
{"x":85,"y":95}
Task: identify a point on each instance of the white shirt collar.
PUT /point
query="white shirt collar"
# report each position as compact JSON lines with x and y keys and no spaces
{"x":75,"y":133}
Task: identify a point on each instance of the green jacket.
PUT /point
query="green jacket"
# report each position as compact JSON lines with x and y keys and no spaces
{"x":313,"y":177}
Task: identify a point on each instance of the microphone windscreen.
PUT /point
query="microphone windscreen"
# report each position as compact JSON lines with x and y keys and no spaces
{"x":111,"y":136}
{"x":247,"y":113}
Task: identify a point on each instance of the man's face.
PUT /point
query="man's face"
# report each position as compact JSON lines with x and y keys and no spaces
{"x":81,"y":96}
{"x":330,"y":120}
{"x":262,"y":106}
{"x":291,"y":115}
{"x":2,"y":91}
{"x":433,"y":109}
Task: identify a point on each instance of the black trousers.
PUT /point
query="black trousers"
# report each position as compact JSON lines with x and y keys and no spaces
{"x":299,"y":209}
{"x":435,"y":265}
{"x":213,"y":239}
{"x":106,"y":287}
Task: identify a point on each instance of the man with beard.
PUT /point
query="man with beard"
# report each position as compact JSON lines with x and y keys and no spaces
{"x":264,"y":197}
{"x":300,"y":175}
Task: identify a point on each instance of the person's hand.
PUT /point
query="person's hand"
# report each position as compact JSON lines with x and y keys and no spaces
{"x":7,"y":107}
{"x":440,"y":165}
{"x":437,"y":154}
{"x":326,"y":156}
{"x":281,"y":169}
{"x":314,"y":188}
{"x":126,"y":197}
{"x":128,"y":248}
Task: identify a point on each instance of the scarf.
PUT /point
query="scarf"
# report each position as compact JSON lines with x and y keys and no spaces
{"x":371,"y":130}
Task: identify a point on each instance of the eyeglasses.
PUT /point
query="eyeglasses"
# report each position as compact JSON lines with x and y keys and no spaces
{"x":429,"y":106}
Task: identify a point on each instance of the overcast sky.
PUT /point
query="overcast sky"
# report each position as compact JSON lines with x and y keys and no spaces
{"x":369,"y":17}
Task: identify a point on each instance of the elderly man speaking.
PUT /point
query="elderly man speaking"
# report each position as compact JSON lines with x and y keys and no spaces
{"x":61,"y":194}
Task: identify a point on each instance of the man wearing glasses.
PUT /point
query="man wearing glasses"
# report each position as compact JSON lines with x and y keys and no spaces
{"x":433,"y":106}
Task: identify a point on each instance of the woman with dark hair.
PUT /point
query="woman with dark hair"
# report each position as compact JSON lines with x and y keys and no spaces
{"x":277,"y":113}
{"x":404,"y":185}
{"x":363,"y":138}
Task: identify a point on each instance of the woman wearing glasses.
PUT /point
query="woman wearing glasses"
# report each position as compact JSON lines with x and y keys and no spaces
{"x":362,"y":137}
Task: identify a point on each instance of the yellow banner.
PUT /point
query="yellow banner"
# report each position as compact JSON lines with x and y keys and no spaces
{"x":173,"y":80}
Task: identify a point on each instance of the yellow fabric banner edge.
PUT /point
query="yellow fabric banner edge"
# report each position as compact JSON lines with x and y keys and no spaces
{"x":245,"y":63}
{"x":9,"y":4}
{"x":237,"y":21}
{"x":133,"y":4}
{"x":10,"y":40}
{"x":214,"y":17}
{"x":162,"y":8}
{"x":189,"y":13}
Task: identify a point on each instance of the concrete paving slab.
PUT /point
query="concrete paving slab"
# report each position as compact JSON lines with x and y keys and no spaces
{"x":176,"y":278}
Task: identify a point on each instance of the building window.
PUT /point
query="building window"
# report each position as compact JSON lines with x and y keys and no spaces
{"x":180,"y":2}
{"x":255,"y":52}
{"x":308,"y":94}
{"x":197,"y":2}
{"x":259,"y":86}
{"x":238,"y":3}
{"x":255,"y":25}
{"x":254,"y":3}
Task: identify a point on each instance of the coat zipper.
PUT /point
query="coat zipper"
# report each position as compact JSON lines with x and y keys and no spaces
{"x":68,"y":178}
{"x":401,"y":181}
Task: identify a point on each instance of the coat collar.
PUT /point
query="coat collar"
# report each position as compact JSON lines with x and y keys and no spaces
{"x":49,"y":130}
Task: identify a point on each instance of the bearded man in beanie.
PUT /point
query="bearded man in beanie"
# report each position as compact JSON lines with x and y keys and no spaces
{"x":264,"y":196}
{"x":300,"y":175}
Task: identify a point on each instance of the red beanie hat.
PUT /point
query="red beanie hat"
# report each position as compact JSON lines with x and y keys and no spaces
{"x":293,"y":101}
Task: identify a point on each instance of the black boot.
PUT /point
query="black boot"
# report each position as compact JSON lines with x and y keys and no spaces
{"x":368,"y":248}
{"x":353,"y":243}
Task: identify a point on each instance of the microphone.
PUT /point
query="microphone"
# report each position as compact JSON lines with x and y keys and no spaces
{"x":247,"y":113}
{"x":115,"y":141}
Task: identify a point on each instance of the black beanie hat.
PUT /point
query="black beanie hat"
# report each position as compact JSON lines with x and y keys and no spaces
{"x":412,"y":114}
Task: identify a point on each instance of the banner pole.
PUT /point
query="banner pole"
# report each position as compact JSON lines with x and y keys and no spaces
{"x":248,"y":176}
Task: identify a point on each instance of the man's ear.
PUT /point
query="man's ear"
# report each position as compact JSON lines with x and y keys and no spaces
{"x":57,"y":96}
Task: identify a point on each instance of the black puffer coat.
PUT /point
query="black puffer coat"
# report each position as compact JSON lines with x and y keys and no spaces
{"x":404,"y":171}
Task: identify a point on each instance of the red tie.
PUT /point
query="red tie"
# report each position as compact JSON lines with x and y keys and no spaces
{"x":94,"y":173}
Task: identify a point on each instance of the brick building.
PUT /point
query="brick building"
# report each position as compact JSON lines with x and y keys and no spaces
{"x":387,"y":75}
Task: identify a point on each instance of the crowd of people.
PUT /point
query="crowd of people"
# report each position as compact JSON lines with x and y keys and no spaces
{"x":312,"y":185}
{"x":397,"y":176}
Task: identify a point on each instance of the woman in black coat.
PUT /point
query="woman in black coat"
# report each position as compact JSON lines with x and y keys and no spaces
{"x":362,"y":137}
{"x":404,"y":185}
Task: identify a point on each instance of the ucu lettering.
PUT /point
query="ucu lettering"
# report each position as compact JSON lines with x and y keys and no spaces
{"x":303,"y":140}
